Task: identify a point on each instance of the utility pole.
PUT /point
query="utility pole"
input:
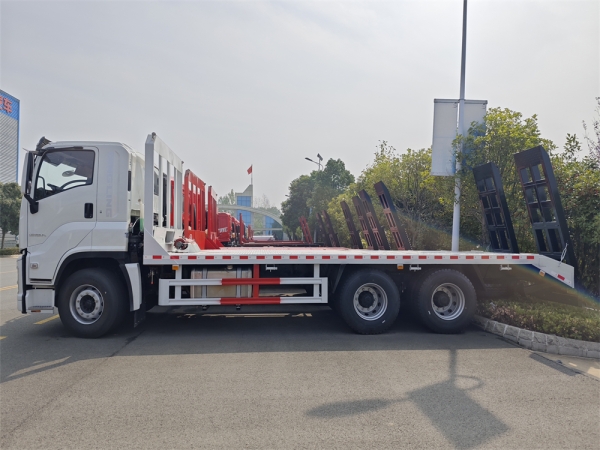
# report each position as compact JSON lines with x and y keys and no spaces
{"x":461,"y":132}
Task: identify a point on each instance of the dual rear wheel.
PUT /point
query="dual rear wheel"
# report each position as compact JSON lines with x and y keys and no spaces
{"x":445,"y":301}
{"x":368,"y":300}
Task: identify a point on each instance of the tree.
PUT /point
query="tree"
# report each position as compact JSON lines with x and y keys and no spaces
{"x":578,"y":179}
{"x":309,"y":194}
{"x":10,"y":205}
{"x":300,"y":191}
{"x":329,"y":183}
{"x":423,"y":202}
{"x":228,"y":199}
{"x":594,"y":141}
{"x":265,"y":204}
{"x":503,"y":133}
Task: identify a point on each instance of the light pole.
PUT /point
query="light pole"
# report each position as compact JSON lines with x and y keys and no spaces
{"x":310,"y":210}
{"x":315,"y":162}
{"x":462,"y":133}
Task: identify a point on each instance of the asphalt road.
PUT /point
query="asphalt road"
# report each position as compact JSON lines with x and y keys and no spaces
{"x":274,"y":379}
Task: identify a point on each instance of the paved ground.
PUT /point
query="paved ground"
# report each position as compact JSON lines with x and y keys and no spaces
{"x":283,"y":380}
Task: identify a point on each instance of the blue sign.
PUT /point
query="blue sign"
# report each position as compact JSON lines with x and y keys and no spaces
{"x":9,"y":105}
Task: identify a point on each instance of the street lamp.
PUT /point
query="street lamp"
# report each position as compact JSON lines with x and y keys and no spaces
{"x":317,"y":163}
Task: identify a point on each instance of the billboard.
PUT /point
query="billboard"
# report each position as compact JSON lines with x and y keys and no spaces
{"x":9,"y":138}
{"x":445,"y":120}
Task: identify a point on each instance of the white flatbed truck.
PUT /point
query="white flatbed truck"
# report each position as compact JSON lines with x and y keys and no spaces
{"x":101,"y":241}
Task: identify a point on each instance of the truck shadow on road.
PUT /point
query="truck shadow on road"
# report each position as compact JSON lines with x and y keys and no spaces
{"x":447,"y":405}
{"x":32,"y":349}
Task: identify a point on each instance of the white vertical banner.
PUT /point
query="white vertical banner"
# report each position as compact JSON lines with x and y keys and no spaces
{"x":445,"y":114}
{"x":474,"y":112}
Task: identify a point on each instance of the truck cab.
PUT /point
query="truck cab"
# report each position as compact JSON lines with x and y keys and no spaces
{"x":78,"y":204}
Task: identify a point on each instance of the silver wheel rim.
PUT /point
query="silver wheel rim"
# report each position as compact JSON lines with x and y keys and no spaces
{"x":86,"y":304}
{"x":448,"y":301}
{"x":370,"y":301}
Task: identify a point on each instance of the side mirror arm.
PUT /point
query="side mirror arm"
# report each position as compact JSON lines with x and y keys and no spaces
{"x":33,"y":205}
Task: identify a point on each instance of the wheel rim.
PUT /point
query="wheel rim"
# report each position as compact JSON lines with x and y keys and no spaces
{"x":448,"y":301}
{"x":86,"y":304}
{"x":370,"y":301}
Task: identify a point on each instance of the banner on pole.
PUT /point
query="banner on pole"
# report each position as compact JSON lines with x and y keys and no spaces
{"x":445,"y":121}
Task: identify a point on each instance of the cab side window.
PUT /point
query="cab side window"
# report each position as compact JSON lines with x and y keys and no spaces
{"x":62,"y":170}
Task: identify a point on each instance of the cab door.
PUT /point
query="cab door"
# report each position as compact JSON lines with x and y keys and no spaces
{"x":64,"y":188}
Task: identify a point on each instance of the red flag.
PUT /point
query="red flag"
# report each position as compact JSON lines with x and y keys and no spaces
{"x":250,"y":170}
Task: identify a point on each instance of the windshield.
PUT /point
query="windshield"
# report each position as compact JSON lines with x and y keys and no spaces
{"x":63,"y":170}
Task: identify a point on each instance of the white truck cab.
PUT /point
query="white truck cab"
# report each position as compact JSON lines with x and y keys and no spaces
{"x":79,"y":202}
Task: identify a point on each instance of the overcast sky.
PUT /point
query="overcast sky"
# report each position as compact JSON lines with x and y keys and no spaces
{"x":229,"y":84}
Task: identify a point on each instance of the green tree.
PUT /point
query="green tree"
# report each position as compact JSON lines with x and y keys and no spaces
{"x":594,"y":140}
{"x":309,"y":194}
{"x":264,"y":204}
{"x":10,"y":205}
{"x":329,"y":183}
{"x":423,"y":202}
{"x":578,"y":179}
{"x":228,"y":199}
{"x":503,"y":133}
{"x":296,"y":205}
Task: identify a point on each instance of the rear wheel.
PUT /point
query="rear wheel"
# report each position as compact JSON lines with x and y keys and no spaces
{"x":368,"y":301}
{"x":92,"y":302}
{"x":446,"y":301}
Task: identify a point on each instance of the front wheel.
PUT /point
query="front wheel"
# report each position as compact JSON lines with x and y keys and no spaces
{"x":92,"y":302}
{"x":446,"y":301}
{"x":368,"y":301}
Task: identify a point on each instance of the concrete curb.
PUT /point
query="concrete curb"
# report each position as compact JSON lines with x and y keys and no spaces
{"x":540,"y":342}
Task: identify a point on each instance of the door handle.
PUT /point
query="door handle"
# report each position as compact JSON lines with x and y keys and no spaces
{"x":88,"y":211}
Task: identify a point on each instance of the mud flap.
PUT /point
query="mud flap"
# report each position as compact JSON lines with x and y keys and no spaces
{"x":139,"y":315}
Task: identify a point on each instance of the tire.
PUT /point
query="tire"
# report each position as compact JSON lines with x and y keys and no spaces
{"x":368,"y":301}
{"x":446,"y":301}
{"x":92,"y":302}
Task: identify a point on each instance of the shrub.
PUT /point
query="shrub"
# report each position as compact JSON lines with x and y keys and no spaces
{"x":546,"y":317}
{"x":9,"y":251}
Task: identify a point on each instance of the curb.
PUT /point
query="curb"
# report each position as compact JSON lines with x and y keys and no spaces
{"x":540,"y":342}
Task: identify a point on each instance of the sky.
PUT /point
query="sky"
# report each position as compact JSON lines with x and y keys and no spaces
{"x":230,"y":84}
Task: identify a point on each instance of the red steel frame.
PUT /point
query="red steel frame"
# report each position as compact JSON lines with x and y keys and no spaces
{"x":305,"y":230}
{"x":212,"y":227}
{"x":194,"y":208}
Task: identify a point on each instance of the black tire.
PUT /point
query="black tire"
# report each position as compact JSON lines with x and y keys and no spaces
{"x":377,"y":301}
{"x":446,"y":301}
{"x":92,"y":302}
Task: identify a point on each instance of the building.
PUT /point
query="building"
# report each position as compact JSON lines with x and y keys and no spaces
{"x":263,"y":222}
{"x":244,"y":199}
{"x":9,"y":138}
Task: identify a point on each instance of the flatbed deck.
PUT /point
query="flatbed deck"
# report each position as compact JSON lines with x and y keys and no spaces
{"x":336,"y":255}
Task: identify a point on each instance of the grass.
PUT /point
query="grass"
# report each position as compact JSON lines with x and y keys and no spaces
{"x":566,"y":321}
{"x":9,"y":251}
